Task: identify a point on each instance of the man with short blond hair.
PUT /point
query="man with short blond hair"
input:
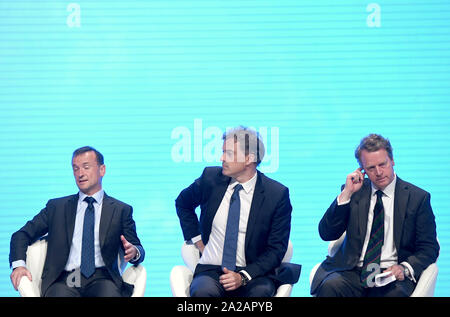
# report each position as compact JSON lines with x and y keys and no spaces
{"x":389,"y":224}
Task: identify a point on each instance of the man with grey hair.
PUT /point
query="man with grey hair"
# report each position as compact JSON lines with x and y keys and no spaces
{"x":244,"y":225}
{"x":389,"y":228}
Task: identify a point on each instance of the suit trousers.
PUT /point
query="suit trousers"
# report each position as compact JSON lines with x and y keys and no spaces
{"x":74,"y":284}
{"x":206,"y":284}
{"x":348,"y":284}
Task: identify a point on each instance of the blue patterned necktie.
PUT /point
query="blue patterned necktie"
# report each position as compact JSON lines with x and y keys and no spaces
{"x":232,"y":230}
{"x":87,"y":247}
{"x":373,"y":252}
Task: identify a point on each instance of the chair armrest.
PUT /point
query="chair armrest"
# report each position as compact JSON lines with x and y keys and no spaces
{"x":334,"y":246}
{"x":180,"y":280}
{"x":284,"y":290}
{"x":27,"y":289}
{"x":136,"y":275}
{"x":427,"y":282}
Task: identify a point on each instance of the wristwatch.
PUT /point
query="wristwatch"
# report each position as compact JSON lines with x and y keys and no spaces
{"x":406,"y":270}
{"x":244,"y":278}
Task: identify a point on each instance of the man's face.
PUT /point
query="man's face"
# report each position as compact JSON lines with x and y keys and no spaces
{"x":233,"y":159}
{"x":88,"y":174}
{"x":379,"y":167}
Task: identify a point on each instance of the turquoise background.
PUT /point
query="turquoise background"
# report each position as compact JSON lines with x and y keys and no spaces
{"x":153,"y":84}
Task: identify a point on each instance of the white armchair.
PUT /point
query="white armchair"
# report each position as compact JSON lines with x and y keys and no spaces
{"x":36,"y":254}
{"x":181,"y":275}
{"x":425,"y":285}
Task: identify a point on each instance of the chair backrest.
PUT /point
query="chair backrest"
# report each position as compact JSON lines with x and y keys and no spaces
{"x":36,"y":254}
{"x":289,"y":252}
{"x":334,"y":246}
{"x":191,"y":255}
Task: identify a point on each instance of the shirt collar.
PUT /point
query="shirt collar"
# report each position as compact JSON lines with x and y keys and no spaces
{"x":98,"y":196}
{"x":389,"y":190}
{"x":248,"y":186}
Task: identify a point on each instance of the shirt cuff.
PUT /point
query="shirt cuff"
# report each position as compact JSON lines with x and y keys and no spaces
{"x":18,"y":263}
{"x":343,"y":202}
{"x":411,"y":271}
{"x":246,"y":274}
{"x":196,"y":238}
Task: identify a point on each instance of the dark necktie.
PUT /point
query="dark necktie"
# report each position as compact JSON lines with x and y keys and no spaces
{"x":373,"y":252}
{"x":87,"y":247}
{"x":232,"y":230}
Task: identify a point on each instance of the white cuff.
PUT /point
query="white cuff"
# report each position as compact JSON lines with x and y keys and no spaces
{"x":411,"y":271}
{"x":196,"y":238}
{"x":246,"y":274}
{"x":342,"y":203}
{"x":18,"y":263}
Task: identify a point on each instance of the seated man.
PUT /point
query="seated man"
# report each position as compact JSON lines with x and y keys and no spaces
{"x":244,"y":226}
{"x":389,"y":225}
{"x":85,"y":232}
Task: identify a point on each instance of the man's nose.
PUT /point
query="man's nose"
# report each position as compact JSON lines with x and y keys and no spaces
{"x":378,"y":170}
{"x":79,"y":174}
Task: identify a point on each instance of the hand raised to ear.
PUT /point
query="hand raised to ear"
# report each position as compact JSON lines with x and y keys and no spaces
{"x":353,"y":183}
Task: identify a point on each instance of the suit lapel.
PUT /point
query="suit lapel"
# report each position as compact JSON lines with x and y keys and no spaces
{"x":400,"y":204}
{"x":70,"y":210}
{"x":257,"y":201}
{"x":105,"y":218}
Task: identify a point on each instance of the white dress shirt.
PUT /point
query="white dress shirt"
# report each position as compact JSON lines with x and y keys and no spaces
{"x":74,"y":260}
{"x":212,"y":254}
{"x":388,"y":251}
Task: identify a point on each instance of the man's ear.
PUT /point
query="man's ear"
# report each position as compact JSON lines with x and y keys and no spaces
{"x":251,"y":158}
{"x":102,"y":170}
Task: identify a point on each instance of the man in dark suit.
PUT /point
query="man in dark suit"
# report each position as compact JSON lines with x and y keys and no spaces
{"x":85,"y":234}
{"x":262,"y":227}
{"x":389,"y":225}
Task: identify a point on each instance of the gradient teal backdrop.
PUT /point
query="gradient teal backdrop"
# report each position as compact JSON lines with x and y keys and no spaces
{"x":153,"y":84}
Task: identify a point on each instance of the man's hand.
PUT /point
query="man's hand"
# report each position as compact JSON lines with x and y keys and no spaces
{"x":353,"y":183}
{"x":230,"y":280}
{"x":200,"y":246}
{"x":398,"y":271}
{"x":17,"y":274}
{"x":130,"y":250}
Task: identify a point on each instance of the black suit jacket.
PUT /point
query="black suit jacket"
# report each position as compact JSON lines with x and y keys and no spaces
{"x":414,"y":230}
{"x":58,"y":220}
{"x":269,"y":221}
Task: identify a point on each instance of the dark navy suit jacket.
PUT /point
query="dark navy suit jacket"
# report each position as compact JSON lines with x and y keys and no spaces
{"x":58,"y":220}
{"x":268,"y":227}
{"x":414,"y":230}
